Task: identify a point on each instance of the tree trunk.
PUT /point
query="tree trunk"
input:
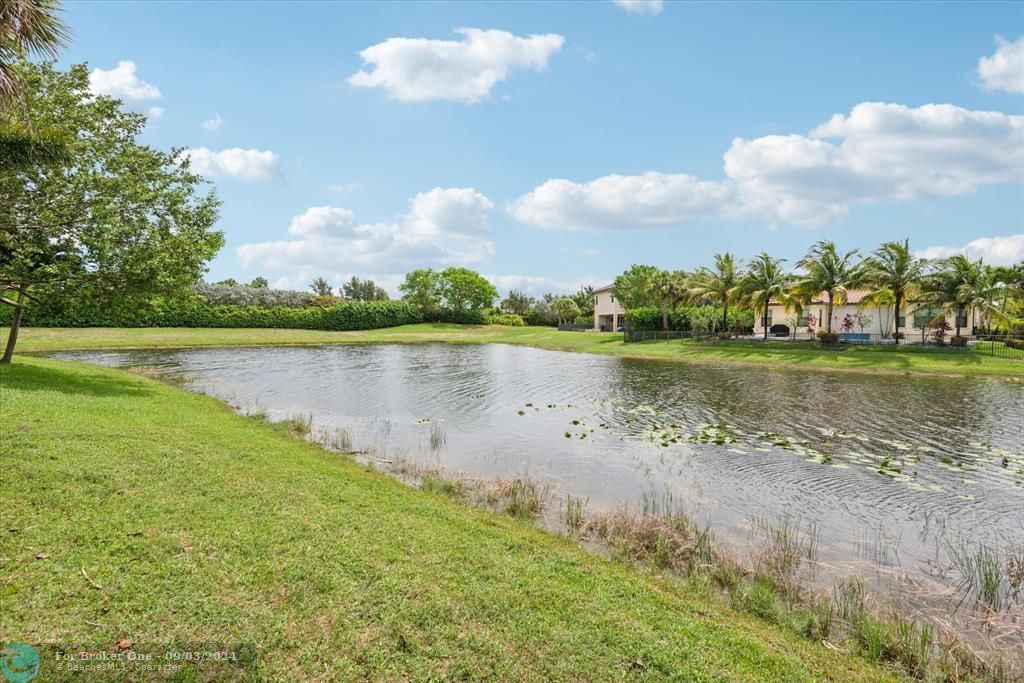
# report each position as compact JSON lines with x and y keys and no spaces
{"x":896,"y":314}
{"x":830,"y":296}
{"x":664,"y":317}
{"x":12,"y":337}
{"x":725,"y":316}
{"x":766,"y":322}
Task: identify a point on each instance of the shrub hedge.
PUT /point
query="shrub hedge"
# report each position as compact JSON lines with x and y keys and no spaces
{"x":193,"y":312}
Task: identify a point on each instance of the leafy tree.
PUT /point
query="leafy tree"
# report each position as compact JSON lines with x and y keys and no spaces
{"x":764,"y":282}
{"x":633,"y":288}
{"x":259,"y":283}
{"x":720,"y":285}
{"x":227,"y":282}
{"x":829,"y":272}
{"x":517,"y":302}
{"x":893,"y":271}
{"x":464,"y":289}
{"x":363,"y":290}
{"x":567,"y":309}
{"x":422,"y":288}
{"x":28,"y":27}
{"x":120,"y":220}
{"x":321,"y":287}
{"x":584,"y":298}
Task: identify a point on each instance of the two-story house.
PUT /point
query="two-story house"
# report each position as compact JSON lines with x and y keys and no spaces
{"x":609,"y":315}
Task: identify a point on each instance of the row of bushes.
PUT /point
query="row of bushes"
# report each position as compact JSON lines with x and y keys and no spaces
{"x":194,"y":312}
{"x":699,"y":319}
{"x":348,"y":315}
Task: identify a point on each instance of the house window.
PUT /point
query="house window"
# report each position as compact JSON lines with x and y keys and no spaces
{"x":612,"y":298}
{"x":923,"y":316}
{"x":769,"y":317}
{"x":802,"y":320}
{"x":961,"y":319}
{"x":901,"y":321}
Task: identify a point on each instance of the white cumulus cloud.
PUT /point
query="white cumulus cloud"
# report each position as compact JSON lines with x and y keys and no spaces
{"x":641,"y":6}
{"x":122,"y":83}
{"x":247,"y":164}
{"x":996,"y":251}
{"x":1004,"y":70}
{"x":421,"y":69}
{"x":155,"y":113}
{"x":443,"y":226}
{"x":618,"y":202}
{"x":878,"y":152}
{"x":213,"y":123}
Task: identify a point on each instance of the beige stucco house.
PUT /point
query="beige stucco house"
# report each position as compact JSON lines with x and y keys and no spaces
{"x":913,"y":320}
{"x":609,"y":315}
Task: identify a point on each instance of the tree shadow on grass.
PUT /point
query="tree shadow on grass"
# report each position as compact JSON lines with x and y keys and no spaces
{"x":22,"y":377}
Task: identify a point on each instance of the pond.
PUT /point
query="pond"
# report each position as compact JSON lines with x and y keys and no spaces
{"x":886,"y":469}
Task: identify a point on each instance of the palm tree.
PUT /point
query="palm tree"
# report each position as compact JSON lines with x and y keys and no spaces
{"x":27,"y":27}
{"x":893,"y":270}
{"x":663,"y":289}
{"x":829,"y":272}
{"x":960,"y":284}
{"x":719,"y":286}
{"x":765,"y":281}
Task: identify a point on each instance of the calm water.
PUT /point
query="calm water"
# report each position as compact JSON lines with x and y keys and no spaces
{"x":879,"y":463}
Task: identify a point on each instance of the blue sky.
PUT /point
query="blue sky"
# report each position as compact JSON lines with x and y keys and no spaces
{"x":583,"y":137}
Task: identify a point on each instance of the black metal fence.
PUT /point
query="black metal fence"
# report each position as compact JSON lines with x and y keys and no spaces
{"x":1003,"y":346}
{"x":574,"y":327}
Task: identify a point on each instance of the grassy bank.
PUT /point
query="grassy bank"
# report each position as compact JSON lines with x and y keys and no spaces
{"x":132,"y":510}
{"x":771,"y":354}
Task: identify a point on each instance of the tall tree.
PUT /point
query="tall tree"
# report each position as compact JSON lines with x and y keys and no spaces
{"x":363,"y":290}
{"x":517,"y":302}
{"x":259,"y":282}
{"x":462,"y":289}
{"x":959,"y":285}
{"x":828,"y":272}
{"x":121,"y":220}
{"x":422,"y":288}
{"x":720,"y":285}
{"x":633,"y":287}
{"x":584,"y":298}
{"x":893,"y":270}
{"x":321,"y":287}
{"x":567,"y":309}
{"x":765,"y":281}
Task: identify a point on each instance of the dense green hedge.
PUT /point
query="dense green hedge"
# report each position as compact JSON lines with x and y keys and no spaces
{"x":348,"y":315}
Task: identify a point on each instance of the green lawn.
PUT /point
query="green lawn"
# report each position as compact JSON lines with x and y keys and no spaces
{"x":775,"y":354}
{"x":131,"y":509}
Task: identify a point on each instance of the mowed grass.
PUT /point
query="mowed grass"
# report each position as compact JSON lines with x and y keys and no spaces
{"x":906,"y":359}
{"x":132,"y":509}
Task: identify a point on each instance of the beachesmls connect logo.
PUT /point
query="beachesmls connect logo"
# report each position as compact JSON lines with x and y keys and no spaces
{"x":19,"y":663}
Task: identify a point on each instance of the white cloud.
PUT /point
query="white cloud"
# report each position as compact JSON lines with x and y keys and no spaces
{"x":213,"y":123}
{"x":443,"y":226}
{"x":617,"y":202}
{"x":996,"y":251}
{"x":1004,"y":70}
{"x":641,"y":6}
{"x":247,"y":164}
{"x":421,"y":69}
{"x":155,"y":113}
{"x":122,"y":83}
{"x":878,"y":153}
